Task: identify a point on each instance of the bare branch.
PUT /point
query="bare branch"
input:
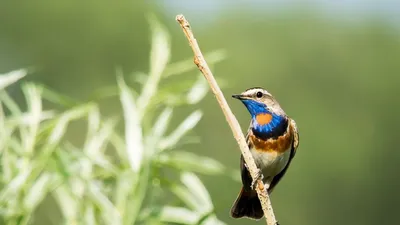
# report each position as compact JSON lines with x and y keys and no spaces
{"x":232,"y":121}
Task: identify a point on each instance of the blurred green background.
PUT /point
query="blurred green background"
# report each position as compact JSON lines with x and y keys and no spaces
{"x":335,"y":69}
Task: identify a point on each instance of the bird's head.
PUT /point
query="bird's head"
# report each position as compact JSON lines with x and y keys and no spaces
{"x":259,"y":101}
{"x":268,"y":118}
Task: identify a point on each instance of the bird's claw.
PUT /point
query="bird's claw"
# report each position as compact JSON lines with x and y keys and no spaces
{"x":254,"y":182}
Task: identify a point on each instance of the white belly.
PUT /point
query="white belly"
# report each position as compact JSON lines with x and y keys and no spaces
{"x":270,"y":163}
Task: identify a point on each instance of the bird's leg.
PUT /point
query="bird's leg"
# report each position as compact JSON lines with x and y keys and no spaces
{"x":258,"y":176}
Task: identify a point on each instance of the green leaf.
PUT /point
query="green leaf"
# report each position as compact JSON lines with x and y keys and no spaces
{"x":158,"y":129}
{"x":187,"y":161}
{"x":186,"y":196}
{"x":7,"y":163}
{"x":57,"y":98}
{"x":133,"y":129}
{"x":212,"y":220}
{"x":108,"y":211}
{"x":15,"y":186}
{"x":198,"y":91}
{"x":27,"y":119}
{"x":171,"y":214}
{"x":140,"y":77}
{"x":96,"y":141}
{"x":161,"y":124}
{"x":11,"y":77}
{"x":67,"y":203}
{"x":189,"y":123}
{"x":126,"y":182}
{"x":9,"y":103}
{"x":159,"y":56}
{"x":118,"y":143}
{"x":89,"y":215}
{"x":187,"y":65}
{"x":63,"y":121}
{"x":34,"y":101}
{"x":93,"y":121}
{"x":38,"y":191}
{"x":140,"y":188}
{"x":199,"y":192}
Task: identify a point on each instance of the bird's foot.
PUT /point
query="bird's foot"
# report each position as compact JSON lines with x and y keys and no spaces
{"x":254,"y":182}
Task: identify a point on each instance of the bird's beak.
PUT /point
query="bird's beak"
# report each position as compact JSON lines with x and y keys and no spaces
{"x":240,"y":97}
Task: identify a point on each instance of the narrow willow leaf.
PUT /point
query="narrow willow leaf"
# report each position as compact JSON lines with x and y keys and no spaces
{"x":67,"y":203}
{"x":63,"y":121}
{"x":7,"y":163}
{"x":198,"y":91}
{"x":204,"y":217}
{"x":212,"y":220}
{"x":125,"y":183}
{"x":194,"y":185}
{"x":89,"y":215}
{"x":159,"y":56}
{"x":95,"y":146}
{"x":158,"y":130}
{"x":161,"y":124}
{"x":9,"y":103}
{"x":2,"y":125}
{"x":15,"y":185}
{"x":117,"y":142}
{"x":140,"y":189}
{"x":15,"y":112}
{"x":188,"y":161}
{"x":133,"y":129}
{"x":108,"y":212}
{"x":140,"y":77}
{"x":179,"y":215}
{"x":104,"y":93}
{"x":187,"y":65}
{"x":5,"y":132}
{"x":26,"y":119}
{"x":25,"y":219}
{"x":185,"y":196}
{"x":11,"y":77}
{"x":57,"y":98}
{"x":15,"y":146}
{"x":189,"y":123}
{"x":93,"y":121}
{"x":105,"y":163}
{"x":38,"y":191}
{"x":160,"y":47}
{"x":78,"y":186}
{"x":34,"y":101}
{"x":172,"y":94}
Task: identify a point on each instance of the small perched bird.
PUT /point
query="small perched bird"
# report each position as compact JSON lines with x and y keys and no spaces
{"x":272,"y":139}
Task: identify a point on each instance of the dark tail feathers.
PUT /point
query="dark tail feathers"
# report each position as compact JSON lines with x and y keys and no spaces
{"x":248,"y":205}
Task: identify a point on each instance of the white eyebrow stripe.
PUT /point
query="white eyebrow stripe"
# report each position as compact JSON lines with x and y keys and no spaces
{"x":255,"y":90}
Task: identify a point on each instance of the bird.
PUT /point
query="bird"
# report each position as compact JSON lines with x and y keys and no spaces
{"x":272,"y":139}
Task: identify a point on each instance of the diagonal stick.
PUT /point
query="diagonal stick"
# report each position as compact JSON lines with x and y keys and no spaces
{"x":232,"y":121}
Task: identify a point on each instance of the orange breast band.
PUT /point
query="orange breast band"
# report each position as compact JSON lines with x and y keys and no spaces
{"x":281,"y":144}
{"x":263,"y":118}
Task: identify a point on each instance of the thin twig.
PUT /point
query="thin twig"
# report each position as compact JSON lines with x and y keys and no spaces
{"x":232,"y":121}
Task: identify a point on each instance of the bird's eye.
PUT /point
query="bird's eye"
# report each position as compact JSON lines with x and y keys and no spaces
{"x":259,"y":94}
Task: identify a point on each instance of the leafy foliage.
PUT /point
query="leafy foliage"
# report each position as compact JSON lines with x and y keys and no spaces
{"x":111,"y":178}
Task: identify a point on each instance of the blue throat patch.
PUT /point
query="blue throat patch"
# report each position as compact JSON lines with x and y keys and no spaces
{"x":265,"y":124}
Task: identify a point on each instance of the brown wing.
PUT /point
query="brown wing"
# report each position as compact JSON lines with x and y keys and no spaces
{"x":295,"y":144}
